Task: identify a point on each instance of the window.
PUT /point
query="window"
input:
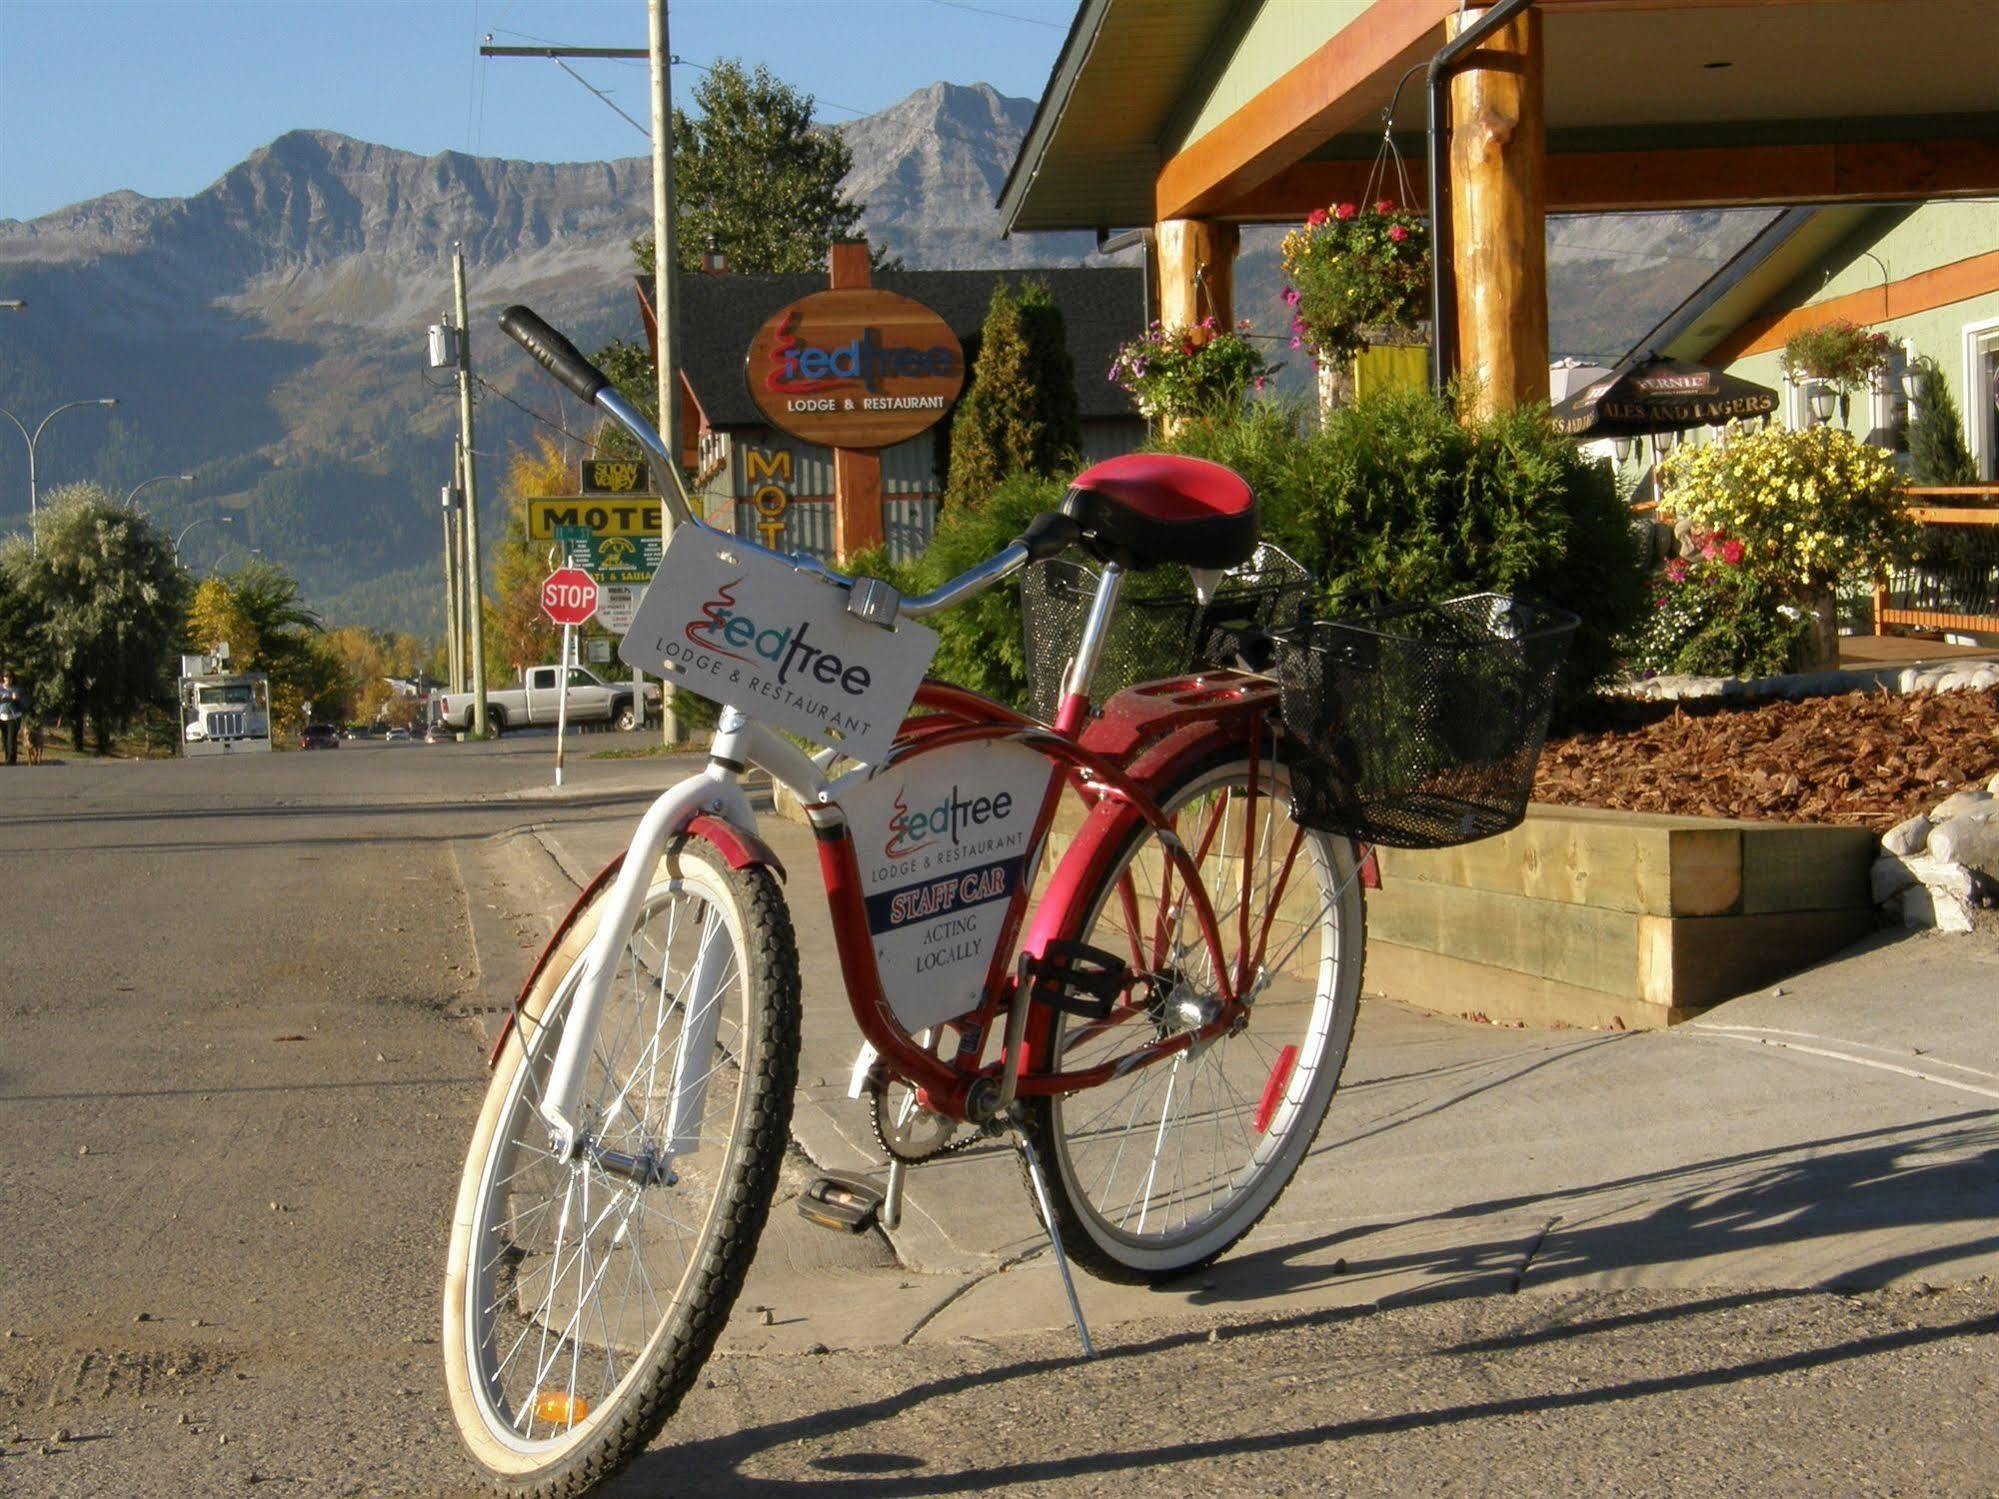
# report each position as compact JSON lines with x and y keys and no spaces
{"x":578,"y":677}
{"x":542,"y":678}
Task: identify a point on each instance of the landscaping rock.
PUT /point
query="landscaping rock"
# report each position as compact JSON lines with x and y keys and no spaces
{"x":1960,"y":802}
{"x":1993,"y":785}
{"x":1970,"y":840}
{"x":1937,"y":909}
{"x":1906,"y":837}
{"x":1889,"y":877}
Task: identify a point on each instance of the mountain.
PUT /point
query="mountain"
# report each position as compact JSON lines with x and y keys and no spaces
{"x":267,"y":335}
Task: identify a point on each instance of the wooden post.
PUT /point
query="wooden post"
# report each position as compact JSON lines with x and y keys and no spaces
{"x":1197,"y":272}
{"x":857,"y":472}
{"x":1499,"y":205}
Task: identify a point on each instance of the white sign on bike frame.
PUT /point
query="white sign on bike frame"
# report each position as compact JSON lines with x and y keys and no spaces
{"x":943,"y":840}
{"x":748,"y":629}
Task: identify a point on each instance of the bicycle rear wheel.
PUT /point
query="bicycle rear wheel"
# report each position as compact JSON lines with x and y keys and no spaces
{"x":583,"y":1296}
{"x":1161,"y":1170}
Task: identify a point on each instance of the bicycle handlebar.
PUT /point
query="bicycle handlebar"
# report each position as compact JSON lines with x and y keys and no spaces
{"x":1046,"y":535}
{"x":554,"y":353}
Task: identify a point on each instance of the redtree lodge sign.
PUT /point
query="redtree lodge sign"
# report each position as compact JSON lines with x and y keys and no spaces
{"x":859,"y":368}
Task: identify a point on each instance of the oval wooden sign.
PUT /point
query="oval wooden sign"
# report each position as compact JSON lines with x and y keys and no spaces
{"x":856,"y":368}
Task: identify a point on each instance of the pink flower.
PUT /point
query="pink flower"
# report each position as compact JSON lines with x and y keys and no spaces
{"x":1291,"y":296}
{"x":1732,"y":552}
{"x":1346,"y":210}
{"x":1710,"y":551}
{"x":1297,"y":342}
{"x":1676,"y":570}
{"x":1316,"y":217}
{"x":1261,"y":382}
{"x":1397,"y":233}
{"x":1386,"y":205}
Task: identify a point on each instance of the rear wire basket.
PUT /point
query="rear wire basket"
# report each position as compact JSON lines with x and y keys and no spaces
{"x":1420,"y":726}
{"x":1160,"y":629}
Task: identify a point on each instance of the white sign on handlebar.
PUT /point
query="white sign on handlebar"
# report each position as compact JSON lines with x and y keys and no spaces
{"x":746,"y":628}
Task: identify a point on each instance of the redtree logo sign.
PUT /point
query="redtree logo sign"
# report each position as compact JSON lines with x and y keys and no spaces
{"x":569,"y":597}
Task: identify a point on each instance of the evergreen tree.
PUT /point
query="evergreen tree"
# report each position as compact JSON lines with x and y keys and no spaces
{"x":757,"y":176}
{"x":1937,"y":454}
{"x":1019,"y":417}
{"x":95,"y":610}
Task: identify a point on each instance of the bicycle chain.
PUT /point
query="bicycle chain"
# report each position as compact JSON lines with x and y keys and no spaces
{"x":908,"y":1158}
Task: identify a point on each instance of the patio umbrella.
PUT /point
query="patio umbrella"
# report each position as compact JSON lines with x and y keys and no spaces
{"x":1660,"y":395}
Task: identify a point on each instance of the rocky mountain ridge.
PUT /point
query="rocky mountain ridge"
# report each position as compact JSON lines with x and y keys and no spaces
{"x":266,"y":333}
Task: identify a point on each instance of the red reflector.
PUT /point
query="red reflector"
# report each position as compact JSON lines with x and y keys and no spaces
{"x":1370,"y":868}
{"x":1273,"y":1087}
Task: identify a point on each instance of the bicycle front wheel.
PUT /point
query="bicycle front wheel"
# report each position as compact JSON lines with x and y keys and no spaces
{"x":583,"y":1295}
{"x":1162,"y":1169}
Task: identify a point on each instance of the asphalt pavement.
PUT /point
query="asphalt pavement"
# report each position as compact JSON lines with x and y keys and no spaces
{"x":242,"y":1047}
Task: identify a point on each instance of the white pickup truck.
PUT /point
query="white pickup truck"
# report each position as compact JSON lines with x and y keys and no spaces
{"x":591,"y":700}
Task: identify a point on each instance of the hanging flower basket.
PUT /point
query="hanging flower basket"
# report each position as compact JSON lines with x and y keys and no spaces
{"x":1840,"y":354}
{"x":1359,"y":277}
{"x":1182,"y":372}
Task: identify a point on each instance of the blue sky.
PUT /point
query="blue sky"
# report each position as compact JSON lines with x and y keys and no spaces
{"x":164,"y":96}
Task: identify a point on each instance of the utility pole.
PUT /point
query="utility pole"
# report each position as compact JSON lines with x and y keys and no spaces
{"x":468,"y":467}
{"x":454,"y":615}
{"x":664,"y":263}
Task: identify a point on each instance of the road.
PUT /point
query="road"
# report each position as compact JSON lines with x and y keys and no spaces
{"x":238,"y":1062}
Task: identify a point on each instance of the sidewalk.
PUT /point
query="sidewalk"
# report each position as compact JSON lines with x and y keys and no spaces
{"x":1841,"y":1131}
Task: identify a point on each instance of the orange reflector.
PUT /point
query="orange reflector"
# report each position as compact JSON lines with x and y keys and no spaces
{"x":560,"y":1410}
{"x":1273,"y":1087}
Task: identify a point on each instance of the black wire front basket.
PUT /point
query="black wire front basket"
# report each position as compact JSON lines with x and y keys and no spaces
{"x":1420,"y":726}
{"x":1160,"y":629}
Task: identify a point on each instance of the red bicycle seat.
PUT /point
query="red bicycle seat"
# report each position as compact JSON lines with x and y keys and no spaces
{"x":1145,"y":509}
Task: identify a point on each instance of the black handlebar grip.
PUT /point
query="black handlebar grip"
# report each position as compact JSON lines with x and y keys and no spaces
{"x":1049,"y":534}
{"x":554,"y":353}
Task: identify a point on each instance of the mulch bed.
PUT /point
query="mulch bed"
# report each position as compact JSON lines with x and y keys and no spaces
{"x":1866,"y":758}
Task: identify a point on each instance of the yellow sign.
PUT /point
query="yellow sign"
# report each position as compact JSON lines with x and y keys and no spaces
{"x":606,"y":516}
{"x":767,"y":473}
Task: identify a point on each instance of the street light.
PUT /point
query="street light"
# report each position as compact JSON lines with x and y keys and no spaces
{"x":34,"y":437}
{"x":227,"y":520}
{"x":156,"y":479}
{"x":12,"y":304}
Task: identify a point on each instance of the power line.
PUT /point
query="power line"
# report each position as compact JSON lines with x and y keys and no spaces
{"x":1002,"y":14}
{"x":605,"y":97}
{"x":484,"y":384}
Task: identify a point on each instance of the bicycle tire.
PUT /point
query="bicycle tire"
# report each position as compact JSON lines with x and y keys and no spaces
{"x":723,"y":1189}
{"x":1084,"y":1151}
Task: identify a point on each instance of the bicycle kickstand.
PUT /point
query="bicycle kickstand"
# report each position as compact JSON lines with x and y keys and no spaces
{"x":1035,"y":1175}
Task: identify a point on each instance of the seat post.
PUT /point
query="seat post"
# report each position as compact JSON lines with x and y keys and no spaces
{"x":1083,"y":666}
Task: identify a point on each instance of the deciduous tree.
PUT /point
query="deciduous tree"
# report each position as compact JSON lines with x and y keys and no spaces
{"x":96,"y":607}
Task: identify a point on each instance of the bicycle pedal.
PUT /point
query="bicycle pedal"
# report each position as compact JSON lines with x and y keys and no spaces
{"x":1075,"y":978}
{"x":847,"y":1204}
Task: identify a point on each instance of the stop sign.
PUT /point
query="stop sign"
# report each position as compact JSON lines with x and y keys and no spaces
{"x":569,"y":597}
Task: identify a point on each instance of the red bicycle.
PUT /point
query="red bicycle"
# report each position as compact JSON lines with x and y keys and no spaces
{"x":1106,"y":932}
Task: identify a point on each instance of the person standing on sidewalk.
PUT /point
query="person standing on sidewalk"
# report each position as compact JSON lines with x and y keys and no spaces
{"x":11,"y":710}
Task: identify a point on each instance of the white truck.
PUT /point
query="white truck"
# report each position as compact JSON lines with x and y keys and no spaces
{"x":222,"y":712}
{"x":534,"y":702}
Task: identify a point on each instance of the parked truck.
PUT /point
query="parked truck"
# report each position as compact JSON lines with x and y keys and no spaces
{"x":534,"y":702}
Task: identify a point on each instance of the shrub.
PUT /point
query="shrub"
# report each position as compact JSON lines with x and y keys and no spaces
{"x":1395,"y":499}
{"x":1810,"y":507}
{"x":1020,"y":415}
{"x":1712,"y":617}
{"x":1937,"y":454}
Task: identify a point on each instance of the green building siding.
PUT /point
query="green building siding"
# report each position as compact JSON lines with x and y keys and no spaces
{"x":1901,"y":244}
{"x":1251,"y":55}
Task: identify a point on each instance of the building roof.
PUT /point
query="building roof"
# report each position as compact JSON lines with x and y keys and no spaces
{"x":720,"y":315}
{"x":1259,"y":109}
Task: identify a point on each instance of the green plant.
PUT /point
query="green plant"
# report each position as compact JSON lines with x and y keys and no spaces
{"x":1352,"y":270}
{"x":1711,"y":616}
{"x":1397,"y":499}
{"x":1810,"y":507}
{"x":979,"y":644}
{"x":1937,"y":454}
{"x":1203,"y":371}
{"x":1020,"y":415}
{"x":1840,"y":354}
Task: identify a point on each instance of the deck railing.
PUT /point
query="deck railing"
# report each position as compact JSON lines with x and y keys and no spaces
{"x":1954,"y":582}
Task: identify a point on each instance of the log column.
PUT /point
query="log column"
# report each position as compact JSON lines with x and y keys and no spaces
{"x":1196,"y":272}
{"x":1499,"y":212}
{"x":857,"y":472}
